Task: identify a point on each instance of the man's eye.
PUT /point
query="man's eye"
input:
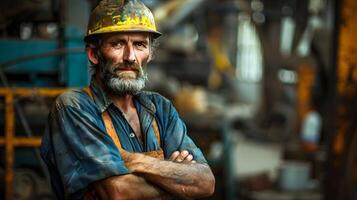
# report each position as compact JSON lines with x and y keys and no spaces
{"x":140,"y":44}
{"x":117,"y":44}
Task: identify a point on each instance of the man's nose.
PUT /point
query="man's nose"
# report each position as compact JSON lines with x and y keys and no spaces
{"x":129,"y":54}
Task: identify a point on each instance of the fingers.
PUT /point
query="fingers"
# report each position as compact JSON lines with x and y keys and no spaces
{"x":183,"y":156}
{"x":174,"y":155}
{"x":188,"y":158}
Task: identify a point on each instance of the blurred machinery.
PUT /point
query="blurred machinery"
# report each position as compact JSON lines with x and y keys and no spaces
{"x":259,"y":53}
{"x":41,"y":49}
{"x":341,"y":177}
{"x":41,"y":42}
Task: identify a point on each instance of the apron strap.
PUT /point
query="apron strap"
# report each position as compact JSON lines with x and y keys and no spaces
{"x":156,"y":131}
{"x":111,"y":130}
{"x":89,"y":92}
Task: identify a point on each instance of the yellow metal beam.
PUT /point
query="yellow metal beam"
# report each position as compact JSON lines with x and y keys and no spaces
{"x":27,"y":142}
{"x":9,"y":147}
{"x":346,"y":71}
{"x":10,"y":141}
{"x":23,"y":141}
{"x":50,"y":92}
{"x":340,"y":172}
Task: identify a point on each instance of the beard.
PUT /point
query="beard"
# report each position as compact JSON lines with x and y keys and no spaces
{"x":120,"y":84}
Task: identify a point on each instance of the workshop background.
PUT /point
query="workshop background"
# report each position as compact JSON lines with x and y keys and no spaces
{"x":267,"y":90}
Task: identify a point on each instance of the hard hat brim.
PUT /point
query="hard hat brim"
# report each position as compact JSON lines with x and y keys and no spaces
{"x":88,"y":38}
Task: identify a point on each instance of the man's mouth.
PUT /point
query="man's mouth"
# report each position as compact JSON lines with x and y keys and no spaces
{"x":126,"y":69}
{"x":126,"y":72}
{"x":118,"y":69}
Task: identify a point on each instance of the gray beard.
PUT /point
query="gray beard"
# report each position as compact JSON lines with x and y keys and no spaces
{"x":118,"y":85}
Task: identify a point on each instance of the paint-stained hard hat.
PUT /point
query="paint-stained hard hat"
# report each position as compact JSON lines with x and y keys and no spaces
{"x":120,"y":16}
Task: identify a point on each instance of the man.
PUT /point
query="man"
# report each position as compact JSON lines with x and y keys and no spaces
{"x":114,"y":141}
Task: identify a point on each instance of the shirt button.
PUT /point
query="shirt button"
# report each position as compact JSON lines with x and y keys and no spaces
{"x":131,"y":135}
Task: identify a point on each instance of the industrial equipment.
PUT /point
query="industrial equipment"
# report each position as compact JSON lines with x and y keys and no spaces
{"x":41,"y":46}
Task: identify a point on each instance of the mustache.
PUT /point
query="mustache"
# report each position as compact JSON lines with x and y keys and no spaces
{"x":121,"y":66}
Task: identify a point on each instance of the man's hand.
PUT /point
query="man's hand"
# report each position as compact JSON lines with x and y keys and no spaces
{"x":183,"y":156}
{"x":177,"y":156}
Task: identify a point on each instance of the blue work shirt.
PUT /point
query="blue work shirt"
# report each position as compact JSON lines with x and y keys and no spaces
{"x":78,"y":151}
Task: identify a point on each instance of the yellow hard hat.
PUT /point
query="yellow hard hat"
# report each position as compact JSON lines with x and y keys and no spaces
{"x":120,"y":16}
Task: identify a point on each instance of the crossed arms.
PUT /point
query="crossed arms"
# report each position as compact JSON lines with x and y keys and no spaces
{"x":153,"y":178}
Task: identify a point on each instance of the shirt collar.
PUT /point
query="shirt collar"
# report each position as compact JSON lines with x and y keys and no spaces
{"x":103,"y":101}
{"x":100,"y":97}
{"x":143,"y":98}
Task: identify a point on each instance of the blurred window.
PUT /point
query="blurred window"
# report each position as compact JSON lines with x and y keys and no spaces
{"x":249,"y":52}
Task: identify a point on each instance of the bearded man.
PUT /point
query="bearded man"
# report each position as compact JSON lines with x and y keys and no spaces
{"x":113,"y":140}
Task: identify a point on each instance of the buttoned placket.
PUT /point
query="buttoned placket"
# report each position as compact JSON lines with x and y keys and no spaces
{"x":146,"y":114}
{"x":130,"y":133}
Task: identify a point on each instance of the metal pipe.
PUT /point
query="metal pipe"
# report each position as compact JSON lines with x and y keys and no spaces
{"x":55,"y":52}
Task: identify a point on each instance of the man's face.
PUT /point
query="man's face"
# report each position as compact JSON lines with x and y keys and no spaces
{"x":122,"y":57}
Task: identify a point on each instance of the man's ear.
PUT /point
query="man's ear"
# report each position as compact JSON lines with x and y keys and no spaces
{"x":92,"y":56}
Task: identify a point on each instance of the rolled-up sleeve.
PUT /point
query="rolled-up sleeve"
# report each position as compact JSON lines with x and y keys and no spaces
{"x":76,"y":145}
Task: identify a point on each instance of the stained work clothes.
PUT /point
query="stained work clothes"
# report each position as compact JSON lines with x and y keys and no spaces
{"x":78,"y":151}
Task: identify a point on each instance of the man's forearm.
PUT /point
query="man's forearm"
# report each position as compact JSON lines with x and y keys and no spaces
{"x":128,"y":186}
{"x":186,"y":180}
